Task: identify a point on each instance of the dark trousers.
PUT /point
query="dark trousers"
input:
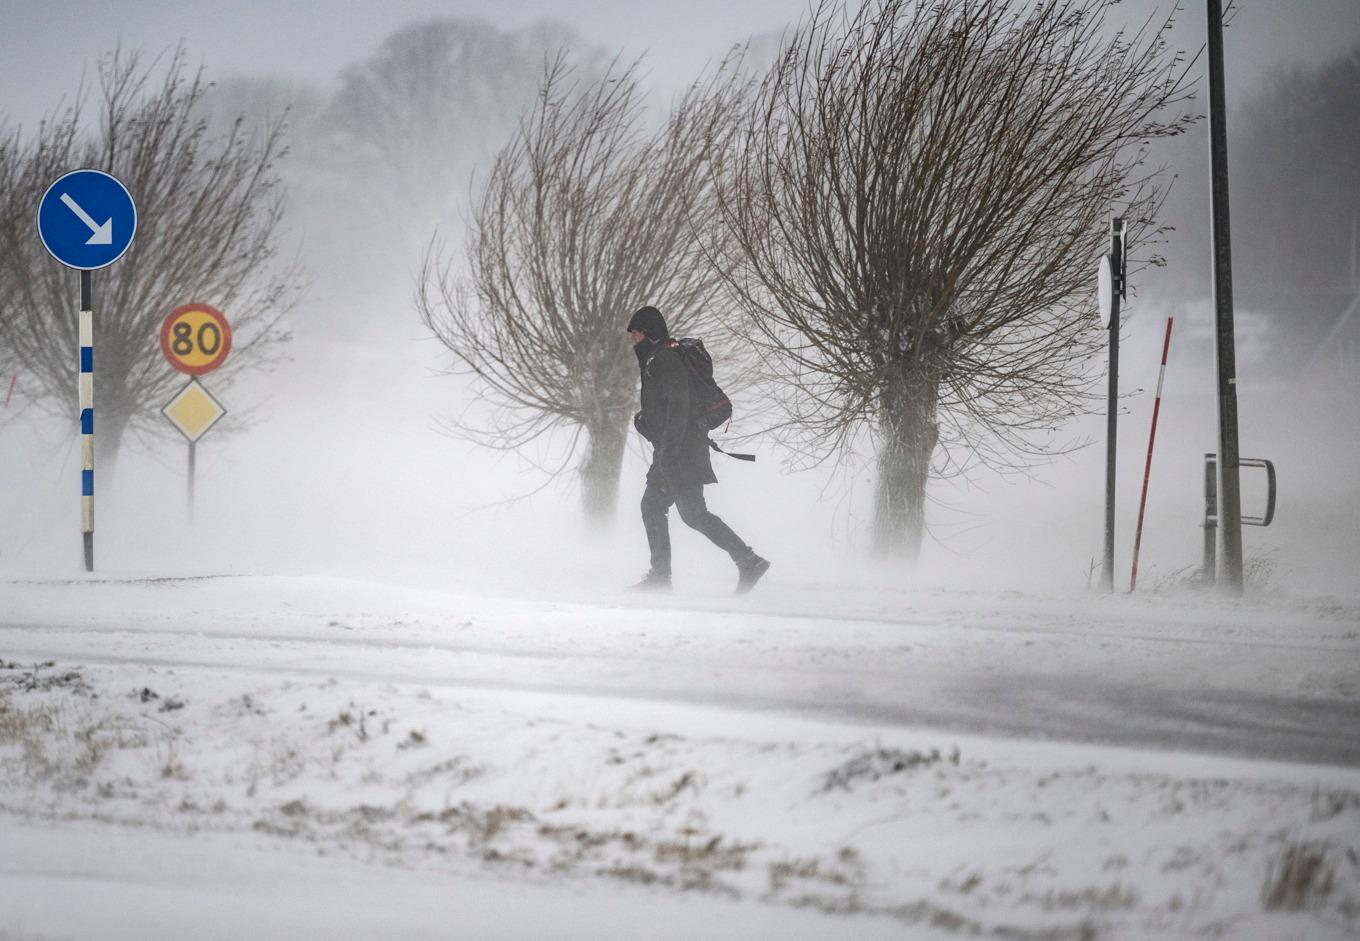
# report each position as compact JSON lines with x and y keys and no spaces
{"x":656,"y":505}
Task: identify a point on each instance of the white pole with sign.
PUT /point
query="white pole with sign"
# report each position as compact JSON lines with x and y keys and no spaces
{"x":1110,"y":286}
{"x":195,"y":339}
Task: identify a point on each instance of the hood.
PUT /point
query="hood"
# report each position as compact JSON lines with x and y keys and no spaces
{"x":650,"y":322}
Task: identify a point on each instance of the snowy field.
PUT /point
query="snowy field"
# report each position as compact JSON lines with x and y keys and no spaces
{"x":304,"y":756}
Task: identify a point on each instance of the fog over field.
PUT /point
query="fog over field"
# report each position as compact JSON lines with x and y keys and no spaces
{"x":342,"y":460}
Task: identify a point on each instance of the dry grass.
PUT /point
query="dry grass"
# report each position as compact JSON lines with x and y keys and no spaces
{"x":881,"y":762}
{"x":1300,"y":877}
{"x":58,"y":743}
{"x":846,"y":872}
{"x":20,"y":724}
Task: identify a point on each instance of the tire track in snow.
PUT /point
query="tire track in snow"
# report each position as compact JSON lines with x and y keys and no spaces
{"x":1006,"y":630}
{"x":1023,"y":704}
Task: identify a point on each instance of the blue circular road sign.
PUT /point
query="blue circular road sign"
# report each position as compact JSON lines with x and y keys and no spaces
{"x":86,"y":219}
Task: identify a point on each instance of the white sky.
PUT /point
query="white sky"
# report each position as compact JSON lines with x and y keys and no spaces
{"x":46,"y":44}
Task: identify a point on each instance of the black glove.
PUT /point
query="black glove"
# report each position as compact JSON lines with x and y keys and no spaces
{"x":662,"y":471}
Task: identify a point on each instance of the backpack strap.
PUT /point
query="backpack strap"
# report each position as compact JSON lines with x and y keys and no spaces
{"x":740,"y":457}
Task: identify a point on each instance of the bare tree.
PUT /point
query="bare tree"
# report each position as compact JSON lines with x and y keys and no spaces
{"x":208,"y":210}
{"x":408,"y":124}
{"x":918,"y":206}
{"x":584,"y":218}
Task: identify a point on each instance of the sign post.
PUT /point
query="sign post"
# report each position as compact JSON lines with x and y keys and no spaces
{"x":70,"y":227}
{"x":195,"y":339}
{"x":1110,"y":288}
{"x":1147,"y":469}
{"x":193,"y":411}
{"x":1229,"y":491}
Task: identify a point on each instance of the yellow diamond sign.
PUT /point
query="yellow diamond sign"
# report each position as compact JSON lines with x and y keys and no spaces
{"x":193,"y":411}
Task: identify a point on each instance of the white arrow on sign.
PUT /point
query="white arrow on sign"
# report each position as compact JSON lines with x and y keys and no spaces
{"x":103,"y":234}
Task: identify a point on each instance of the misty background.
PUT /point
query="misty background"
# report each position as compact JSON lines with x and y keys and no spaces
{"x":335,"y":461}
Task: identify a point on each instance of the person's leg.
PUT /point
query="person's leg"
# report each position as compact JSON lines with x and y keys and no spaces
{"x":656,"y":504}
{"x":695,"y":513}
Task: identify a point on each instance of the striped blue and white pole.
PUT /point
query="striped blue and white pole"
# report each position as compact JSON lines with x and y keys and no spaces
{"x":87,"y":417}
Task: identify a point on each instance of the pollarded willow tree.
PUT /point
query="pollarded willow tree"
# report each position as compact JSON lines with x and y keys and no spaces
{"x":208,"y":210}
{"x":918,"y":205}
{"x":585,"y":216}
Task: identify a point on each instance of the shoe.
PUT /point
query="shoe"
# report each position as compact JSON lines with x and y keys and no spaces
{"x":653,"y":581}
{"x":749,"y":571}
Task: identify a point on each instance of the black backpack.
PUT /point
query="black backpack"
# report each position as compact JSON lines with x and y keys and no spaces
{"x":711,"y":408}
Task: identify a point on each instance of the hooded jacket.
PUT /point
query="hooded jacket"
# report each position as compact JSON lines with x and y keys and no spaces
{"x":681,"y":456}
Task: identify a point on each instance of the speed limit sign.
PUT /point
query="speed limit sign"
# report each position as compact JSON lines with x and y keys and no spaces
{"x":195,"y":338}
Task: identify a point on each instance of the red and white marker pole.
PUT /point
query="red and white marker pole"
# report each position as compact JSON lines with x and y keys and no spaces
{"x":1147,"y":471}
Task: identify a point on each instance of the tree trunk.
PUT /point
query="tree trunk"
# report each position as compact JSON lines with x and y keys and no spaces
{"x":600,"y":472}
{"x":909,"y":431}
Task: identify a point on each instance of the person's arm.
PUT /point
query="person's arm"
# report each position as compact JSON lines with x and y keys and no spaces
{"x":672,"y":386}
{"x":640,"y":423}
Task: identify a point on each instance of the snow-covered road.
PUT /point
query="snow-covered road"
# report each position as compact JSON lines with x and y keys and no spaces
{"x":1275,"y":682}
{"x":813,"y":763}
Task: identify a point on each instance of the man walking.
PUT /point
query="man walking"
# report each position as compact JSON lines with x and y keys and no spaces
{"x":680,"y":458}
